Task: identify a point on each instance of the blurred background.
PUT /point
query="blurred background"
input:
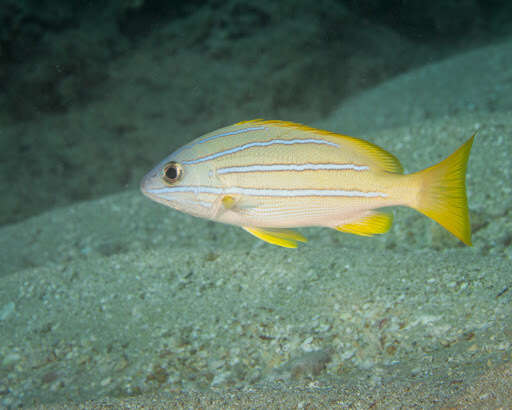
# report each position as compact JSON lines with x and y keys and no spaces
{"x":93,"y":93}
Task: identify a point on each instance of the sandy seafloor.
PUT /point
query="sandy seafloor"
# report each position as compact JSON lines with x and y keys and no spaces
{"x":123,"y":302}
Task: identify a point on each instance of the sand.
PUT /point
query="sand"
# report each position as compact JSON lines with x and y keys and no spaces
{"x":123,"y":302}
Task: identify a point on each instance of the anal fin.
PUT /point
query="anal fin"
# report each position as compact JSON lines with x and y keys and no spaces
{"x":286,"y":238}
{"x":369,"y":225}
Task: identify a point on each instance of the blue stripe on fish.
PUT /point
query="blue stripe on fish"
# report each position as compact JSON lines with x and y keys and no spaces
{"x":225,"y":134}
{"x":259,"y":144}
{"x":267,"y":192}
{"x":291,"y":167}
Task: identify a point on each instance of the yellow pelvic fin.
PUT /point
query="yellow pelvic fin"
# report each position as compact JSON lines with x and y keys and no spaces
{"x":442,"y":196}
{"x":286,"y":238}
{"x":375,"y":223}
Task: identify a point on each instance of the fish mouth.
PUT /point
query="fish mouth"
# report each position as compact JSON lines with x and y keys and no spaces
{"x":149,"y":183}
{"x":143,"y":184}
{"x":151,"y":186}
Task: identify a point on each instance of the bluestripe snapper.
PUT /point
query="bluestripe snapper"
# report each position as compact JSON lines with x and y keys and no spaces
{"x":270,"y":176}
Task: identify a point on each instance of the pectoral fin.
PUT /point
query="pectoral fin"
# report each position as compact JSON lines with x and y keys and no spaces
{"x":276,"y":236}
{"x":228,"y":201}
{"x":232,"y":203}
{"x":375,"y":223}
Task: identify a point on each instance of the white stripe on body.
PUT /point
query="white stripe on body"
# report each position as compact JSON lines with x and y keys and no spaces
{"x":225,"y":134}
{"x":268,"y":192}
{"x":291,"y":167}
{"x":259,"y":144}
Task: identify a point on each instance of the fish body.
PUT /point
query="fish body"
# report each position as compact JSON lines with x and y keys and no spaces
{"x":270,"y":176}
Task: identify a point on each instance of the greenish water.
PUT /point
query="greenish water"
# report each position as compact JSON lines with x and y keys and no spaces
{"x":120,"y":297}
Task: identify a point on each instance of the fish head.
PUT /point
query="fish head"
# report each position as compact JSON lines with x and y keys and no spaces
{"x":186,"y":187}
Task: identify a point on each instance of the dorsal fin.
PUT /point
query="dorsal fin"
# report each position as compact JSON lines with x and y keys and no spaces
{"x":383,"y":159}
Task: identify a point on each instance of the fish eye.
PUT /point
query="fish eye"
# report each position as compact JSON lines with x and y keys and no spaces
{"x":172,"y":172}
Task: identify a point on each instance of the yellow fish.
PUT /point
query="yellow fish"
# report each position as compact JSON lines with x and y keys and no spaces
{"x":269,"y":176}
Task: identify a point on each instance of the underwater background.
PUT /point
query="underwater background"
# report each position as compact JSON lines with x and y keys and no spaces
{"x":109,"y":299}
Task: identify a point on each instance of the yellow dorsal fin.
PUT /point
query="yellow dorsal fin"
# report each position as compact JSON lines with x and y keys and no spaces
{"x":375,"y":223}
{"x":281,"y":237}
{"x":250,"y":121}
{"x":380,"y":157}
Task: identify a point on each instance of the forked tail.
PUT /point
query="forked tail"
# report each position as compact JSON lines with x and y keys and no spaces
{"x":442,"y":196}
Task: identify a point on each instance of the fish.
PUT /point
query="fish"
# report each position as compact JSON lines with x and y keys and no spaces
{"x":270,"y":176}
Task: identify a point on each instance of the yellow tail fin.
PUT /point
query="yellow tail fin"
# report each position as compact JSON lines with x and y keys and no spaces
{"x":442,"y":196}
